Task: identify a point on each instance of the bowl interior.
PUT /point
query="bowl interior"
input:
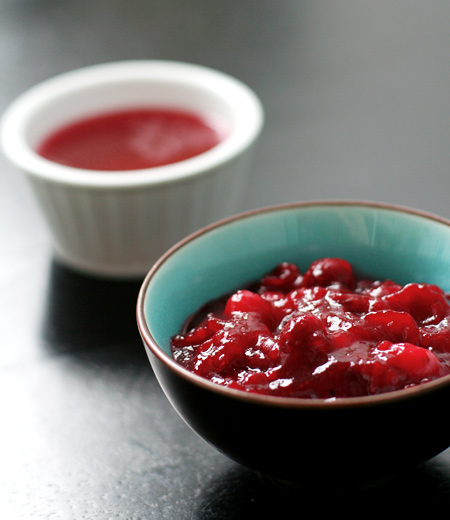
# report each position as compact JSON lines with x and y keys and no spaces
{"x":381,"y":242}
{"x":73,"y":104}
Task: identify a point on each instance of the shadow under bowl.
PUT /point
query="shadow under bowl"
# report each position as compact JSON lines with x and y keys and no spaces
{"x":341,"y":443}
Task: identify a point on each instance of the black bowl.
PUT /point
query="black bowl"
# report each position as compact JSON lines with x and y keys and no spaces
{"x":322,"y":443}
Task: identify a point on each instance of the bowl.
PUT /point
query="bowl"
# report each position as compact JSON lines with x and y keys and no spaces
{"x":346,"y":442}
{"x":117,"y":224}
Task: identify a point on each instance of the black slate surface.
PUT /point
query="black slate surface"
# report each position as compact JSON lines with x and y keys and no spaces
{"x":357,"y":106}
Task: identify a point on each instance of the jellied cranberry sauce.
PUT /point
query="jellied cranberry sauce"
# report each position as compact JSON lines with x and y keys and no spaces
{"x":130,"y":140}
{"x":321,"y":334}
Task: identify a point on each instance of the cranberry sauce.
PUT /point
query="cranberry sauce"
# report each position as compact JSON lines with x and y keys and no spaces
{"x":322,"y":334}
{"x":130,"y":140}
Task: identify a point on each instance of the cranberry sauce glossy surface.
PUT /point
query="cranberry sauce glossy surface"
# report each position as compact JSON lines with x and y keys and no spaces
{"x":320,"y":334}
{"x":130,"y":140}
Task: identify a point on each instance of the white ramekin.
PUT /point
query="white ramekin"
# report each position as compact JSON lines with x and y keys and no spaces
{"x":119,"y":223}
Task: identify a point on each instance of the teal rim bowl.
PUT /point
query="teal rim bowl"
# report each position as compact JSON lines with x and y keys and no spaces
{"x":381,"y":241}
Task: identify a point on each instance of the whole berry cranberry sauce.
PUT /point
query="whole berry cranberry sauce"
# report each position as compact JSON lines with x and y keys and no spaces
{"x":322,"y":334}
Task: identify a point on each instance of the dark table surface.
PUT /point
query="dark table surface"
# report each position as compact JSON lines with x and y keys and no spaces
{"x":357,"y":100}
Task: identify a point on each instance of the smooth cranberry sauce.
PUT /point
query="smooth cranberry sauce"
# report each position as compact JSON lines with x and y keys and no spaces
{"x":130,"y":140}
{"x":321,"y":334}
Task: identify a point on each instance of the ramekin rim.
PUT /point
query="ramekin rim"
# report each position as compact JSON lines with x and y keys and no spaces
{"x":248,"y":108}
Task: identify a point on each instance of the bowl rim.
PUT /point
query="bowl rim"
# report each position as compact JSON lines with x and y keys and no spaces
{"x":246,"y":105}
{"x":269,"y":400}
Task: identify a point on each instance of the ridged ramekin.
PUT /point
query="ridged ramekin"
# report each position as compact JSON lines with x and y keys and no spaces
{"x":119,"y":223}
